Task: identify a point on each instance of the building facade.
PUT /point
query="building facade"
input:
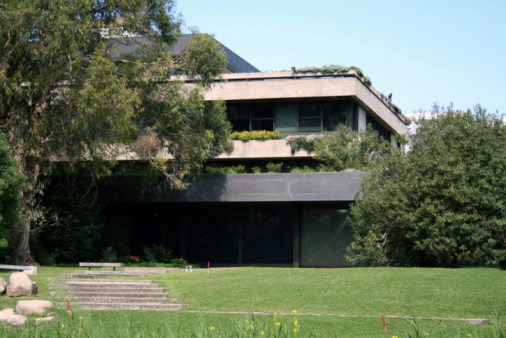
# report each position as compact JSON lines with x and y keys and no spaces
{"x":262,"y":219}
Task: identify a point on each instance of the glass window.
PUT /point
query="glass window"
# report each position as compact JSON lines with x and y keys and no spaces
{"x":239,"y":117}
{"x":325,"y":235}
{"x":334,"y":114}
{"x":262,"y":117}
{"x":286,"y":118}
{"x":310,"y":117}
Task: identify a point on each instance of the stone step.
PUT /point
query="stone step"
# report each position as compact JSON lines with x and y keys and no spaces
{"x":111,"y":274}
{"x":112,"y":294}
{"x":105,"y":285}
{"x":67,"y":281}
{"x":151,"y":269}
{"x":128,"y":306}
{"x":116,"y":283}
{"x":113,"y":300}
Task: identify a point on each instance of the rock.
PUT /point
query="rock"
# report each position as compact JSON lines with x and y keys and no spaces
{"x":19,"y":285}
{"x":6,"y":314}
{"x":35,"y":289}
{"x":44,"y":319}
{"x":3,"y":285}
{"x":17,"y":320}
{"x":27,"y":307}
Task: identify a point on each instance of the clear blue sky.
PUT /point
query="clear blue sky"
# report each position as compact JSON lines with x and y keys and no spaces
{"x":444,"y":51}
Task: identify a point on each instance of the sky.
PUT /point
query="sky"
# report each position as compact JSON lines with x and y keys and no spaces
{"x":423,"y":52}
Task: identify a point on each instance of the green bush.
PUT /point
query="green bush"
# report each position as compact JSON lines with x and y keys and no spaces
{"x":256,"y":170}
{"x":441,"y":203}
{"x":350,"y":149}
{"x":157,"y":254}
{"x":274,"y":167}
{"x":260,"y":135}
{"x":238,"y":169}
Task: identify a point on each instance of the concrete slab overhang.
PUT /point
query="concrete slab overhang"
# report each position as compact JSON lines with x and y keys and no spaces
{"x":246,"y":188}
{"x":296,"y":86}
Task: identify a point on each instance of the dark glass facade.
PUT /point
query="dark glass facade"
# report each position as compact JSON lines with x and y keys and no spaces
{"x":231,"y":234}
{"x":293,"y":117}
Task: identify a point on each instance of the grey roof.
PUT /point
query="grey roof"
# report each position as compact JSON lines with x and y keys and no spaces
{"x":130,"y":45}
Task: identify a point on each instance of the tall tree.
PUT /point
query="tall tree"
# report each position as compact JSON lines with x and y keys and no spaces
{"x":62,"y":97}
{"x":11,"y":181}
{"x":440,"y":204}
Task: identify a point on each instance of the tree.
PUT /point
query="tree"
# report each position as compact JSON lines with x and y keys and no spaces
{"x":63,"y":99}
{"x":11,"y":182}
{"x":442,"y":203}
{"x":350,"y":149}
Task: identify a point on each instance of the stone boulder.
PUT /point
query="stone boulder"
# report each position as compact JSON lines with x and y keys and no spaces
{"x":20,"y":285}
{"x":6,"y":314}
{"x":3,"y":285}
{"x":44,"y":319}
{"x":28,"y":307}
{"x":17,"y":320}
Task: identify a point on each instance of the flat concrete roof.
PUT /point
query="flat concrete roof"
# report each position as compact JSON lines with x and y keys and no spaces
{"x":296,"y":86}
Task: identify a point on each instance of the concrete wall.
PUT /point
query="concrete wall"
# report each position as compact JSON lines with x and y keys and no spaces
{"x":268,"y":149}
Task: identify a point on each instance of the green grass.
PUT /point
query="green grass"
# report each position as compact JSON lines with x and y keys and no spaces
{"x":362,"y":293}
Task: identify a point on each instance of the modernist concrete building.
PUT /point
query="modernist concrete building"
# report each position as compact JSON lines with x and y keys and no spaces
{"x":283,"y":219}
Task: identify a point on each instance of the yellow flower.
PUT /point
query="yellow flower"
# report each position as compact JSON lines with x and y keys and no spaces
{"x":294,"y":311}
{"x":295,"y":330}
{"x":62,"y":326}
{"x":278,"y":324}
{"x":80,"y":318}
{"x":81,"y":329}
{"x":244,"y":332}
{"x":469,"y":335}
{"x":395,"y":337}
{"x":212,"y":328}
{"x":262,"y":333}
{"x":295,"y":322}
{"x":427,"y":334}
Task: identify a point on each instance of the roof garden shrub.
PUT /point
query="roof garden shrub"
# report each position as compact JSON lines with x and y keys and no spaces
{"x":259,"y":135}
{"x":274,"y":167}
{"x":336,"y":69}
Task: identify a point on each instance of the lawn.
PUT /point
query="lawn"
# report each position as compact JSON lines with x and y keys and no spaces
{"x":328,"y":302}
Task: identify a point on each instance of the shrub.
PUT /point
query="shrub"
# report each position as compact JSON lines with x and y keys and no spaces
{"x":274,"y":167}
{"x":256,"y":170}
{"x":238,"y":169}
{"x":441,"y":203}
{"x":260,"y":135}
{"x":157,"y":254}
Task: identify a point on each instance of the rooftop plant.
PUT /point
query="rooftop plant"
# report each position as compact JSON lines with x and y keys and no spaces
{"x":336,"y":69}
{"x":260,"y":135}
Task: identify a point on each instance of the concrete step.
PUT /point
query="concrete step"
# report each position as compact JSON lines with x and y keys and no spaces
{"x":126,"y":306}
{"x":116,"y":294}
{"x":111,"y":273}
{"x":144,"y":295}
{"x":112,"y":300}
{"x":105,"y":285}
{"x":95,"y":280}
{"x":151,"y":269}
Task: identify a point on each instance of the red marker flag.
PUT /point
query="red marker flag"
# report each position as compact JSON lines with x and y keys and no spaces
{"x":385,"y":326}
